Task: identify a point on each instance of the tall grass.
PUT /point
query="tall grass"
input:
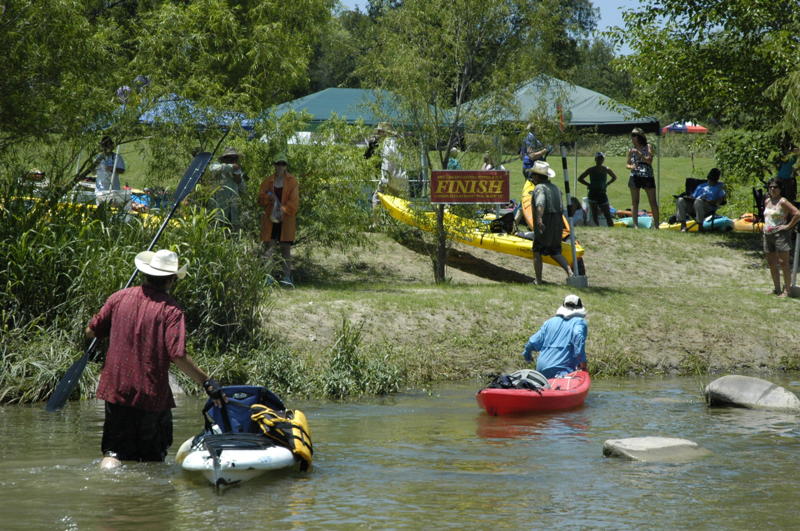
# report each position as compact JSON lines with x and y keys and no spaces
{"x":60,"y":262}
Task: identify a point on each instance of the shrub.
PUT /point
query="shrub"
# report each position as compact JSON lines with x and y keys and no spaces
{"x":352,"y":371}
{"x":743,"y":156}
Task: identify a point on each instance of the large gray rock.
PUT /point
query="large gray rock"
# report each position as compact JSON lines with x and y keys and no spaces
{"x":654,"y":449}
{"x":749,"y":392}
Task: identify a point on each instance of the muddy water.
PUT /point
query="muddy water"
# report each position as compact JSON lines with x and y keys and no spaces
{"x":427,"y":460}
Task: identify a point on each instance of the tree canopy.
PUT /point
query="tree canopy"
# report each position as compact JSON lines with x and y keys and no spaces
{"x":731,"y":62}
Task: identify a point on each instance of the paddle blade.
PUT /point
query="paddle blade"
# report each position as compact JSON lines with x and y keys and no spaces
{"x":192,"y":175}
{"x":67,"y":383}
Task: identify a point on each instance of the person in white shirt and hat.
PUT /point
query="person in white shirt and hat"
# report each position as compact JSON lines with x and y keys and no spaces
{"x":230,"y":183}
{"x":561,"y":341}
{"x":547,"y":219}
{"x":147,"y":333}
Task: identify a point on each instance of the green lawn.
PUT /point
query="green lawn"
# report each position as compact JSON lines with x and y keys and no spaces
{"x":673,"y":172}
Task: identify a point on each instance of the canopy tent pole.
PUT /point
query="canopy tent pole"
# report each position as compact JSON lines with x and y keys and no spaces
{"x":576,"y":280}
{"x":658,"y":174}
{"x":575,"y":173}
{"x":794,"y":291}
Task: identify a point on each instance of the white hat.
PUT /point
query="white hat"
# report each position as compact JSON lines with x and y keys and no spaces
{"x":542,"y":168}
{"x":571,"y":307}
{"x":161,"y":263}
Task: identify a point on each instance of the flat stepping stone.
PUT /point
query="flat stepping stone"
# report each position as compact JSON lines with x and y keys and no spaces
{"x":746,"y":391}
{"x":654,"y":449}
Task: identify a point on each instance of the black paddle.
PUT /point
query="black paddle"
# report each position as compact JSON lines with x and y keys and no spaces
{"x":70,"y":379}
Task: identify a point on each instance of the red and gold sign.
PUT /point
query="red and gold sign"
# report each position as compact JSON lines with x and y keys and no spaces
{"x":466,"y":186}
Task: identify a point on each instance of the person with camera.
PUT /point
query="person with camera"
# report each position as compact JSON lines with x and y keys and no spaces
{"x":640,"y":162}
{"x":147,"y":332}
{"x":279,"y":194}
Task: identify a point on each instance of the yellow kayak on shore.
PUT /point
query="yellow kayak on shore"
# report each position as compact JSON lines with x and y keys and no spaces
{"x":469,"y":231}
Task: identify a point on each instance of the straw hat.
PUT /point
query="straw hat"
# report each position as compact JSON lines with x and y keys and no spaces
{"x":384,"y":127}
{"x":161,"y":263}
{"x":229,"y":152}
{"x":541,"y":167}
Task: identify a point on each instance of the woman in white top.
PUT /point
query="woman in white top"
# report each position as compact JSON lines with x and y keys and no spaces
{"x":780,"y":217}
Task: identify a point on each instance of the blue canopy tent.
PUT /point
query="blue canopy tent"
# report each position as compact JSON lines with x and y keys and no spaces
{"x":174,"y":109}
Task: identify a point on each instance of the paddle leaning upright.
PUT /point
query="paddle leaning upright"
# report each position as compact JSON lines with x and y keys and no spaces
{"x":70,"y":379}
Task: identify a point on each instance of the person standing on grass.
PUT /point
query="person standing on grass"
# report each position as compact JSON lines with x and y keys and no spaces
{"x":780,"y":217}
{"x":279,"y":194}
{"x":547,"y":219}
{"x":786,"y":170}
{"x":561,"y":341}
{"x":640,"y":162}
{"x":452,"y":162}
{"x":597,"y":185}
{"x":146,"y":331}
{"x":109,"y":165}
{"x":230,"y":183}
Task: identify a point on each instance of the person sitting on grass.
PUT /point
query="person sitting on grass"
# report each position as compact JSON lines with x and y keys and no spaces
{"x":705,"y":199}
{"x":561,"y":341}
{"x":598,"y":183}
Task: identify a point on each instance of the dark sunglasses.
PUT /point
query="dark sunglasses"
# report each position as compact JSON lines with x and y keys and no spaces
{"x":773,"y":186}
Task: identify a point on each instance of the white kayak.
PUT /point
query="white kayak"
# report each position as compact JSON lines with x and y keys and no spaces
{"x":229,"y":458}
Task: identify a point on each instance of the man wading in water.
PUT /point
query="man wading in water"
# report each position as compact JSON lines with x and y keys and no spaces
{"x":146,"y":330}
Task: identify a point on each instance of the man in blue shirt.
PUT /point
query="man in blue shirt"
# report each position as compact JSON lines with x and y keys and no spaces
{"x":561,"y":341}
{"x":704,"y":200}
{"x":452,"y":162}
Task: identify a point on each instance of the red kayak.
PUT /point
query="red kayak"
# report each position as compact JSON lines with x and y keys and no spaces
{"x":564,"y":393}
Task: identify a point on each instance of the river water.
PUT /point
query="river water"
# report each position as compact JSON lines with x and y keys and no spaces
{"x":427,"y":459}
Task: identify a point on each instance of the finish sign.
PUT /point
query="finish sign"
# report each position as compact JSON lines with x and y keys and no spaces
{"x":467,"y":186}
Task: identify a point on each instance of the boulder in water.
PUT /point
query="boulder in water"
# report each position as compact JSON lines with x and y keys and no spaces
{"x":746,"y":391}
{"x":654,"y":449}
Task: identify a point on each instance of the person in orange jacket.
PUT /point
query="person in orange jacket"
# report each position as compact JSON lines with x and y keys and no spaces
{"x":279,"y":194}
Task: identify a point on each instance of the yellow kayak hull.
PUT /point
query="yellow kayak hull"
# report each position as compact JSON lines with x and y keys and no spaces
{"x":469,"y":232}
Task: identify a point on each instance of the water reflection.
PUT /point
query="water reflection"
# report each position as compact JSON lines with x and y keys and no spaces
{"x":571,"y":423}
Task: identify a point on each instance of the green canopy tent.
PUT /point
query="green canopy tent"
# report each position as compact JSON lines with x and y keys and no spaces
{"x":350,"y":105}
{"x":583,"y":108}
{"x":580,"y":108}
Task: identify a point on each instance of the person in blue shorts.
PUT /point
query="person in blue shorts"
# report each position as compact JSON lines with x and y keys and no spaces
{"x":561,"y":341}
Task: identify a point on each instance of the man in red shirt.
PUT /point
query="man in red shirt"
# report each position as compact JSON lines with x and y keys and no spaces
{"x":146,"y":331}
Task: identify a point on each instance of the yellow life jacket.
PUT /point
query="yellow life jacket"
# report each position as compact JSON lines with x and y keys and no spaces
{"x":290,"y":430}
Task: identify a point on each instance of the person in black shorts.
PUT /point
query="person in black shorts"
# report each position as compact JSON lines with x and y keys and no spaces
{"x":640,"y":162}
{"x":598,"y":182}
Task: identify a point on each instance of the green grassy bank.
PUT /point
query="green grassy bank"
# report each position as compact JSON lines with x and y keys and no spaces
{"x":658,"y":302}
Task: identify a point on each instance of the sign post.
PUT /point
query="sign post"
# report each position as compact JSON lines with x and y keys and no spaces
{"x":463,"y":186}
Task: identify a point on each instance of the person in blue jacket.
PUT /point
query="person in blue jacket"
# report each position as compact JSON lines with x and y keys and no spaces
{"x":561,"y":341}
{"x":706,"y":198}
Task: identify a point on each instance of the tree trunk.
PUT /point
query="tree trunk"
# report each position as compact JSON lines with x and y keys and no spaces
{"x":441,"y":248}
